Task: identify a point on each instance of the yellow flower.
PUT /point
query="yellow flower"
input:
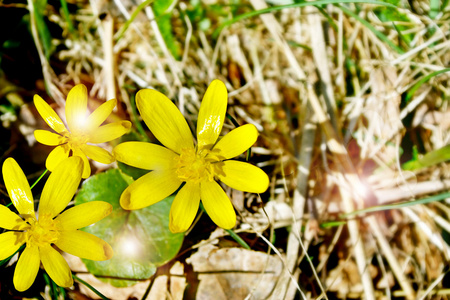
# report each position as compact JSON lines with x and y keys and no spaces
{"x":198,"y":166}
{"x":81,"y":132}
{"x":39,"y":233}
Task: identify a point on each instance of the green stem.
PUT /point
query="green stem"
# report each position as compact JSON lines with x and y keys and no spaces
{"x":90,"y":287}
{"x":40,"y":177}
{"x":52,"y":285}
{"x":238,"y":239}
{"x":233,"y":234}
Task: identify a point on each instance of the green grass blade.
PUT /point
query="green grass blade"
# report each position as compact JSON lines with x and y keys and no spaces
{"x":133,"y":16}
{"x":434,"y":8}
{"x":332,"y":224}
{"x":430,"y":159}
{"x":439,"y":197}
{"x":369,"y":26}
{"x":66,"y":14}
{"x":422,"y":81}
{"x":4,"y":261}
{"x":293,"y":5}
{"x":44,"y":33}
{"x":90,"y":287}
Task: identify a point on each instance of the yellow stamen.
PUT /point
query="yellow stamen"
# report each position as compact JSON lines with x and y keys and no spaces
{"x":43,"y":231}
{"x":195,"y":166}
{"x":76,"y":140}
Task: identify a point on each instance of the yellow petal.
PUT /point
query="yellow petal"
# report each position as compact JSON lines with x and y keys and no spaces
{"x":99,"y":115}
{"x":55,"y":266}
{"x":18,"y":188}
{"x":109,"y":132}
{"x":10,"y":242}
{"x":83,"y":215}
{"x":84,"y":245}
{"x":236,"y":142}
{"x":10,"y":220}
{"x":184,"y":207}
{"x":49,"y":115}
{"x":27,"y":268}
{"x":145,"y":155}
{"x":217,"y":204}
{"x":76,"y":108}
{"x":98,"y":154}
{"x":60,"y":187}
{"x":212,"y":114}
{"x":149,"y":189}
{"x":164,"y":120}
{"x":86,"y":166}
{"x":56,"y":156}
{"x":48,"y":138}
{"x":243,"y":176}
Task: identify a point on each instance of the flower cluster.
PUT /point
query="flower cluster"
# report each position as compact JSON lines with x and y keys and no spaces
{"x":193,"y":167}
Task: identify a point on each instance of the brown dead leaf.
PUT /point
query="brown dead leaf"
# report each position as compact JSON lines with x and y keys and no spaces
{"x":234,"y":273}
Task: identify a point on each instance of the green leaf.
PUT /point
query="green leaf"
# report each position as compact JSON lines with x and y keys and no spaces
{"x":141,"y":239}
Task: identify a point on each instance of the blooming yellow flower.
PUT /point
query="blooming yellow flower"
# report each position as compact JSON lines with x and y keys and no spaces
{"x":40,"y":233}
{"x":182,"y":161}
{"x":82,"y":130}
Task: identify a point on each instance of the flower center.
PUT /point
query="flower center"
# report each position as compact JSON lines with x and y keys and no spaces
{"x":195,"y":166}
{"x":76,"y":140}
{"x":43,"y":231}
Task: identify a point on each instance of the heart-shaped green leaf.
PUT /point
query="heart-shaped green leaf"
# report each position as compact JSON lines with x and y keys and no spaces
{"x":141,"y":239}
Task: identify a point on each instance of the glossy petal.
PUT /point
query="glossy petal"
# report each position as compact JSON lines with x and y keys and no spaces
{"x":49,"y":115}
{"x":243,"y":177}
{"x":98,"y":154}
{"x":145,"y":155}
{"x":48,"y":138}
{"x":55,"y":266}
{"x":60,"y":187}
{"x":10,"y":242}
{"x":217,"y":204}
{"x":76,"y":108}
{"x":84,"y":245}
{"x":18,"y":188}
{"x":27,"y":268}
{"x":10,"y":220}
{"x":212,"y":114}
{"x":86,"y":166}
{"x":83,"y":215}
{"x":164,"y":120}
{"x":236,"y":142}
{"x":184,"y":207}
{"x":98,"y":116}
{"x":149,"y":189}
{"x":109,"y":132}
{"x":56,"y":156}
